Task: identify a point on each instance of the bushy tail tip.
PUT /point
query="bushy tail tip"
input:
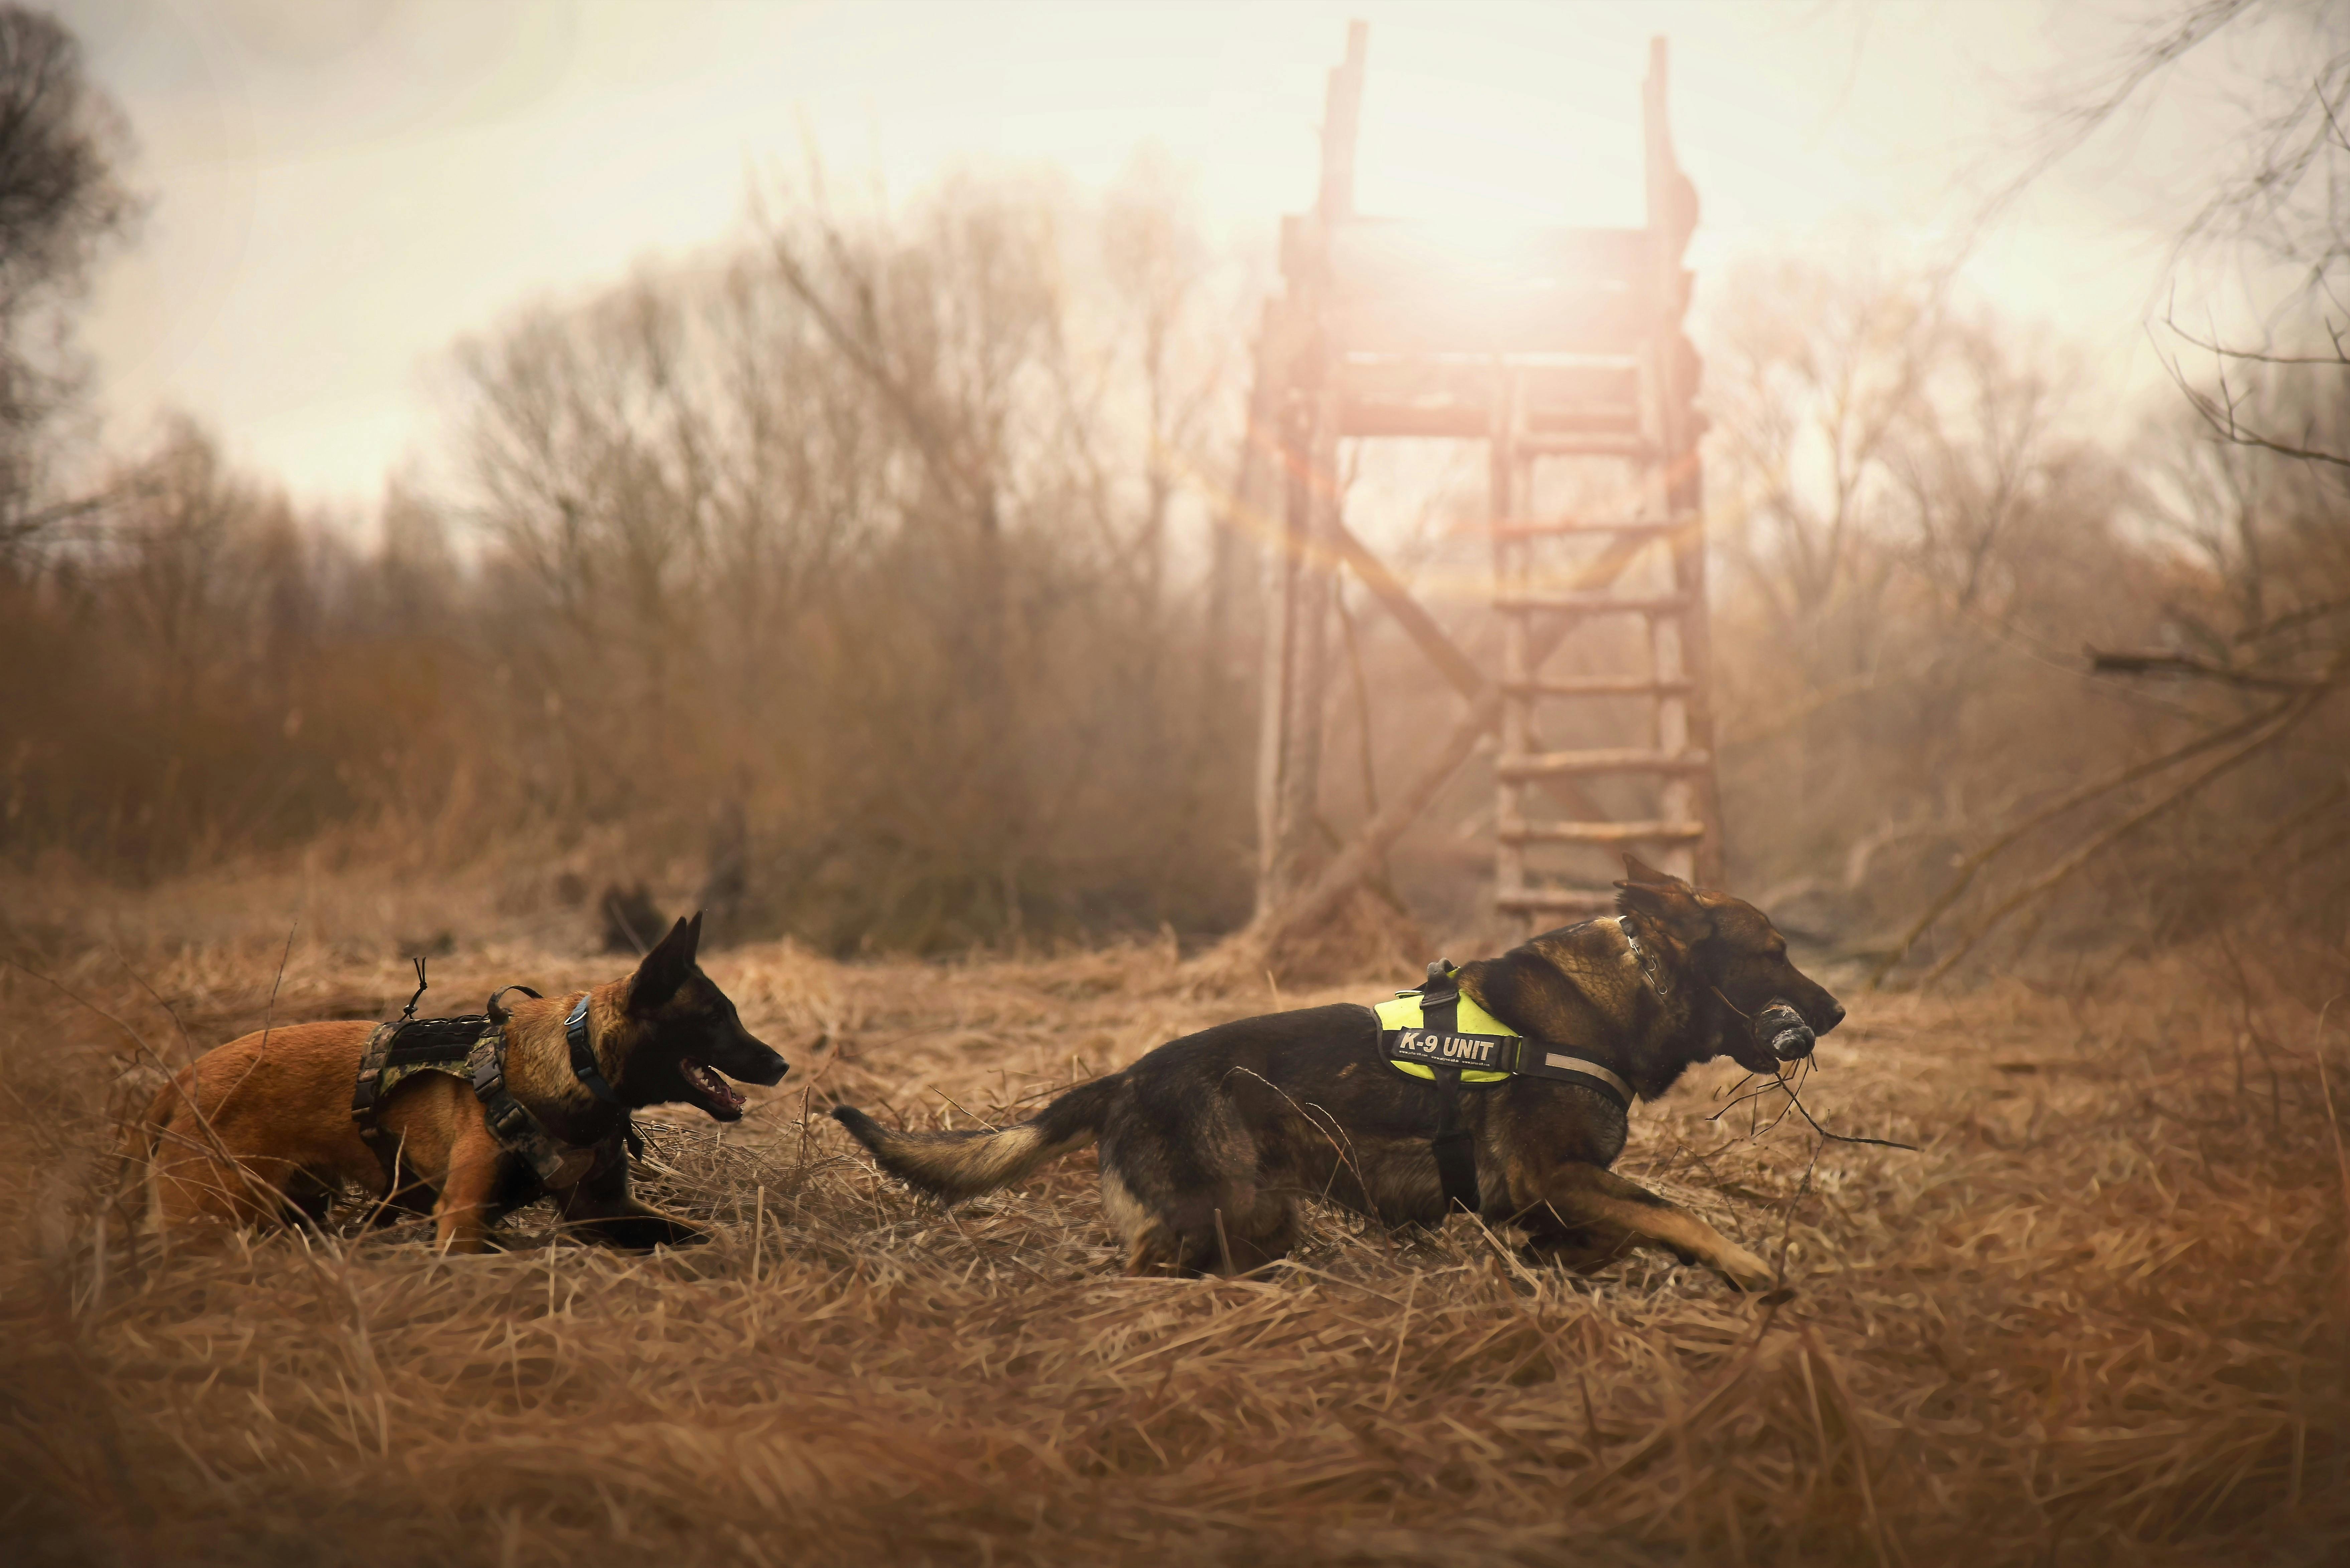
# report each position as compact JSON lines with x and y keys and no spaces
{"x":953,"y":1166}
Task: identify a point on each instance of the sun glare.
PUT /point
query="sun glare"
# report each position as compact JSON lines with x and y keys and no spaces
{"x":1455,"y":150}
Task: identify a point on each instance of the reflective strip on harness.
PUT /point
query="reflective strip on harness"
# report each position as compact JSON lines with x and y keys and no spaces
{"x":1568,"y":1069}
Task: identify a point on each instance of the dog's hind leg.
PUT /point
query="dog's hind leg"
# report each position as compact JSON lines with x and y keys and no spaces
{"x":1222,"y":1228}
{"x":308,"y":1201}
{"x":1251,"y":1228}
{"x":409,"y":1196}
{"x":196,"y":1178}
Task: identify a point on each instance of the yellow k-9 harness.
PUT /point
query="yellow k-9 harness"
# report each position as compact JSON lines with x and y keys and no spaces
{"x":1437,"y":1034}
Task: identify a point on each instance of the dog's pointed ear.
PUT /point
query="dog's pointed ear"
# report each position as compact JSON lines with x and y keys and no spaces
{"x":1637,"y":870}
{"x":1664,"y":898}
{"x":665,"y":968}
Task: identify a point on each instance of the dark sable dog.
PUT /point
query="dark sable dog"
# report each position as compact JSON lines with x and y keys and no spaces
{"x":1208,"y":1142}
{"x":261,"y":1129}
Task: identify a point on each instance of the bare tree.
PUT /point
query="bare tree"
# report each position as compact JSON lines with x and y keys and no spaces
{"x":1810,"y":374}
{"x":61,"y":202}
{"x":847,"y":542}
{"x":2256,"y":477}
{"x":1158,"y":269}
{"x":1986,"y":468}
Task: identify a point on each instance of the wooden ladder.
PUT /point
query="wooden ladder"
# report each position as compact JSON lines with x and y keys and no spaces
{"x":1559,"y":576}
{"x":1566,"y":345}
{"x":1643,"y":559}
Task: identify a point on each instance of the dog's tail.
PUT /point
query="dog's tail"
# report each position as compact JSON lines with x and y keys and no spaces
{"x":953,"y":1166}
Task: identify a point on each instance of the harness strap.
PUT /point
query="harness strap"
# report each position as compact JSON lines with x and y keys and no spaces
{"x":553,"y":1161}
{"x":496,"y":1012}
{"x":584,"y":1065}
{"x":394,"y":1051}
{"x":1456,"y":1154}
{"x":1535,"y":1062}
{"x":369,"y":1089}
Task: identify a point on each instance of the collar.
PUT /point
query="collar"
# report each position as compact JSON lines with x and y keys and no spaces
{"x":584,"y":1066}
{"x":1648,"y":965}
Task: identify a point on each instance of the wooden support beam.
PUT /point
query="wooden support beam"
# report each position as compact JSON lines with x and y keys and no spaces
{"x":1417,"y":623}
{"x":1673,"y":372}
{"x":1361,"y":855}
{"x":1593,"y":604}
{"x":1601,"y":686}
{"x":1601,"y":833}
{"x":1289,"y":777}
{"x":1575,"y":525}
{"x":1584,"y":763}
{"x":1342,"y":113}
{"x":1302,"y":397}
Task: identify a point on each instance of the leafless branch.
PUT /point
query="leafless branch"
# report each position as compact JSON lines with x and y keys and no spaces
{"x":2119,"y":779}
{"x":2217,"y":410}
{"x":2120,"y":662}
{"x":2283,"y":722}
{"x":2292,"y":620}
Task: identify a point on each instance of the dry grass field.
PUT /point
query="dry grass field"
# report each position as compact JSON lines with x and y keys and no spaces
{"x":2100,"y":1316}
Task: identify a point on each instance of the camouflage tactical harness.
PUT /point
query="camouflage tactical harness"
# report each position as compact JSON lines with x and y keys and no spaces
{"x":473,"y":1048}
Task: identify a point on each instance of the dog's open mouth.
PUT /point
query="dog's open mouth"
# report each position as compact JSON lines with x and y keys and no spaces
{"x":709,"y":1091}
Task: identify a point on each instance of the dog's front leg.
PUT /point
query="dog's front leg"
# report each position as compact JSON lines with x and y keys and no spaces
{"x":462,"y":1218}
{"x":1589,"y":1204}
{"x":600,"y":1205}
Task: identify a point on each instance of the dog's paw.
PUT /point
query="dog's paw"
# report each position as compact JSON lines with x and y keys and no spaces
{"x":1744,"y":1269}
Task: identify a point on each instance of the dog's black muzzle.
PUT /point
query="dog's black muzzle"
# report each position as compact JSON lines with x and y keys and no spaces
{"x":1780,"y":1030}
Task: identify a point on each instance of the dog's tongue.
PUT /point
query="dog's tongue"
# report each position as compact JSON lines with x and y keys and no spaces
{"x":716,"y":1089}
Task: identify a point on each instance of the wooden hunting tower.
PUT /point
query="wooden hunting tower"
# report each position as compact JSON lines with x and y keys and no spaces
{"x":1564,"y":347}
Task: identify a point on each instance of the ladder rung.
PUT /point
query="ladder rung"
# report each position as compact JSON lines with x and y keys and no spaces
{"x":1599,"y":686}
{"x":1557,"y":900}
{"x":1593,"y":604}
{"x":1547,"y":420}
{"x":1571,"y":525}
{"x":1600,"y":832}
{"x":1620,"y":760}
{"x":1581,"y":443}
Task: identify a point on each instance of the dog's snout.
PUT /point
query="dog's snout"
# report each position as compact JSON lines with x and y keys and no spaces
{"x":752,"y":1061}
{"x":1832,"y":1017}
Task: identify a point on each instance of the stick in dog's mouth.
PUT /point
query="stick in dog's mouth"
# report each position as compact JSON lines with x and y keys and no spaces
{"x":710,"y":1092}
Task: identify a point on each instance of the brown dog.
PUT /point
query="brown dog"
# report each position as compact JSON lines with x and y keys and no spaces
{"x":1208,"y":1142}
{"x":261,"y":1129}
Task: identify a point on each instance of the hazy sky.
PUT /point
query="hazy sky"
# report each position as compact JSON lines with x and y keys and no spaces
{"x":341,"y":189}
